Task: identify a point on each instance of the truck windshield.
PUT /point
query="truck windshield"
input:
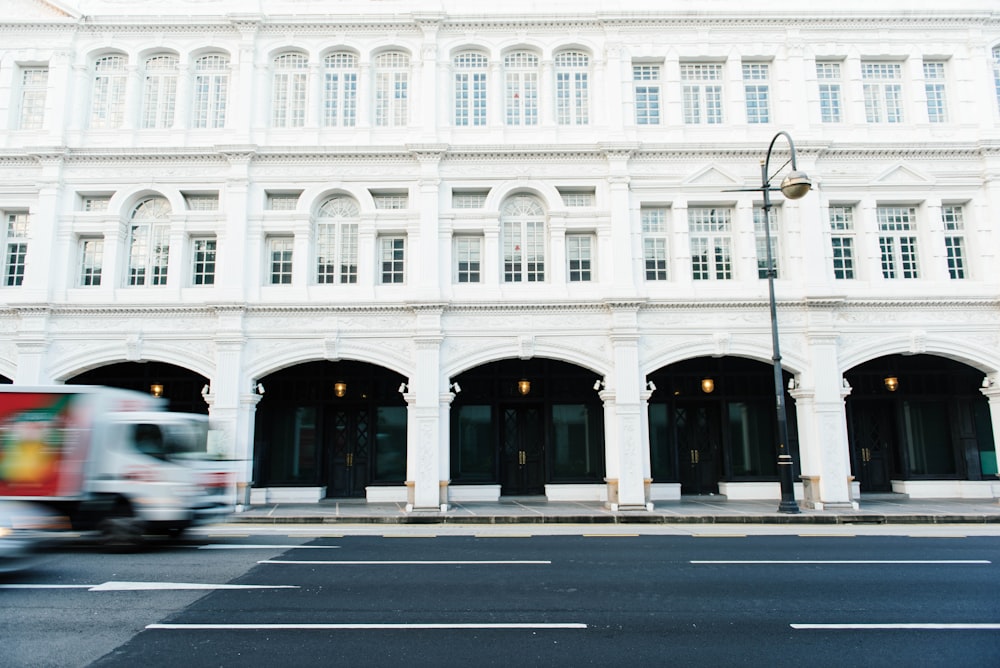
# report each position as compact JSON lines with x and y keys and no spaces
{"x":175,"y":440}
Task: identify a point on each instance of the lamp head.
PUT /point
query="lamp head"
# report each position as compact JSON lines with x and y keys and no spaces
{"x":795,"y":185}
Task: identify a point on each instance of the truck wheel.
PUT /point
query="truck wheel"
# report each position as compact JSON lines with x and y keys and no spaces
{"x":121,"y":530}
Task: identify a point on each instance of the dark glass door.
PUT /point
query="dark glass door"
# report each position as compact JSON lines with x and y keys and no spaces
{"x":348,"y":444}
{"x":874,"y":436}
{"x":522,"y":457}
{"x":698,"y":428}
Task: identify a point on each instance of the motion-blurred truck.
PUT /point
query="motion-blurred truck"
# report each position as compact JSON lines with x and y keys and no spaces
{"x":110,"y":460}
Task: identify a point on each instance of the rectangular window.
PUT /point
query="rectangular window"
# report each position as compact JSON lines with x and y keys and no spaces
{"x":954,"y":240}
{"x":91,"y":260}
{"x":523,"y":251}
{"x":937,"y":108}
{"x":15,"y":247}
{"x":701,"y":86}
{"x":710,"y":231}
{"x":828,"y":75}
{"x":761,"y":236}
{"x":392,"y":256}
{"x":392,"y":81}
{"x":93,"y":203}
{"x":290,"y":85}
{"x":201,"y":202}
{"x":883,"y":89}
{"x":521,"y":88}
{"x":391,"y":200}
{"x":203,"y":261}
{"x":578,"y":198}
{"x":159,"y":94}
{"x":149,"y":249}
{"x":468,"y":199}
{"x":654,"y":242}
{"x":572,"y":88}
{"x":757,"y":91}
{"x":280,"y":258}
{"x":468,"y":259}
{"x":470,"y":89}
{"x":337,"y":253}
{"x":34,"y":84}
{"x":211,"y":91}
{"x":282,"y":201}
{"x":898,"y":242}
{"x":646,"y":80}
{"x":842,"y":241}
{"x":340,"y":90}
{"x":579,"y":257}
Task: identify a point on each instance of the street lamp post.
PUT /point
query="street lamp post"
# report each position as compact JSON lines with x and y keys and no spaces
{"x":793,"y":186}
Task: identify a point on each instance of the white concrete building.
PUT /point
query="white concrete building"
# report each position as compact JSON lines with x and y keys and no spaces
{"x":350,"y":230}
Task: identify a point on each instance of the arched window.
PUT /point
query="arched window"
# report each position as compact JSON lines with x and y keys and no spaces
{"x":392,"y":79}
{"x":340,"y":89}
{"x":337,"y":241}
{"x":521,"y":88}
{"x":288,"y":94}
{"x":522,"y":223}
{"x":470,"y":88}
{"x":149,"y":242}
{"x":107,"y":109}
{"x":572,"y":88}
{"x":211,"y":90}
{"x":159,"y":91}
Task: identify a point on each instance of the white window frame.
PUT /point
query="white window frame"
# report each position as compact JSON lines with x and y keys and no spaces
{"x":655,"y":242}
{"x":702,"y":93}
{"x":471,"y":70}
{"x":467,"y":250}
{"x":883,"y":90}
{"x":647,"y":90}
{"x":580,"y":257}
{"x":91,"y":254}
{"x":935,"y":88}
{"x":33,"y":82}
{"x":290,"y":89}
{"x":953,"y":221}
{"x":829,"y":79}
{"x":521,"y":88}
{"x":572,"y":78}
{"x":149,"y":243}
{"x":898,"y":242}
{"x":337,"y":231}
{"x":710,"y":230}
{"x":524,"y":233}
{"x":110,"y":78}
{"x":757,"y":91}
{"x":210,"y":95}
{"x":392,"y":83}
{"x":760,"y":240}
{"x":280,"y":259}
{"x":842,"y":241}
{"x":340,"y":89}
{"x":159,"y":91}
{"x":392,"y":259}
{"x":15,"y":247}
{"x":204,"y":256}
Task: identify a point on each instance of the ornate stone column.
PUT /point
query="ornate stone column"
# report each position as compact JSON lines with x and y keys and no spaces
{"x":425,"y":447}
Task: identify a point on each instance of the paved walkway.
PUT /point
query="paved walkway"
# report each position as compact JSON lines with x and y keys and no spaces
{"x":881,"y":509}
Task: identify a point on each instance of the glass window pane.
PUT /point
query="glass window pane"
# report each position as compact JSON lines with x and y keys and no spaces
{"x":576,"y":438}
{"x":751,"y":439}
{"x":473,"y":456}
{"x":390,"y":444}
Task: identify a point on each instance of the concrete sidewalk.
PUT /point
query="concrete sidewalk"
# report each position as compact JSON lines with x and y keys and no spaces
{"x":880,"y":509}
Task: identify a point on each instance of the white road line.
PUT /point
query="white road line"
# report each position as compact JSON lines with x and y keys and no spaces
{"x":265,"y":546}
{"x":876,"y":627}
{"x":407,"y":563}
{"x":849,"y":561}
{"x":145,"y":586}
{"x":348,"y":626}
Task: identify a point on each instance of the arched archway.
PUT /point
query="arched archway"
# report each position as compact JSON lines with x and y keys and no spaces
{"x":914,"y":418}
{"x":526,"y":424}
{"x":713,"y":420}
{"x":179,"y":386}
{"x":338,"y":426}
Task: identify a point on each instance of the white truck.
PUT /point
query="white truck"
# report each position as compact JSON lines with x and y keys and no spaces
{"x":110,"y":459}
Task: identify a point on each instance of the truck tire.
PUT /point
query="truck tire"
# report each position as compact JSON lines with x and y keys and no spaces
{"x":121,"y":530}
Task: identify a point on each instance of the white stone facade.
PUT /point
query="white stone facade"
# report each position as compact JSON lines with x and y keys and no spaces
{"x":635,"y":129}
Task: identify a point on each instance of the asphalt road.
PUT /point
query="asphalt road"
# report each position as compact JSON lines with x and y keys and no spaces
{"x":567,"y":600}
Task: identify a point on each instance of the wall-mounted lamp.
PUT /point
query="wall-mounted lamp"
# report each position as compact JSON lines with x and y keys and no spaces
{"x":339,"y":389}
{"x":988,"y":382}
{"x":598,"y":384}
{"x":792,"y":384}
{"x":891,"y":383}
{"x":456,"y":388}
{"x":206,"y":390}
{"x":156,"y":390}
{"x":524,"y":386}
{"x":402,"y":388}
{"x":707,"y":385}
{"x":259,"y":388}
{"x":651,"y":386}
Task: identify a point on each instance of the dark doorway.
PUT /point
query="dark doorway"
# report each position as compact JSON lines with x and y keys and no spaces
{"x":348,"y":436}
{"x":874,"y":439}
{"x":698,"y":428}
{"x":522,"y":459}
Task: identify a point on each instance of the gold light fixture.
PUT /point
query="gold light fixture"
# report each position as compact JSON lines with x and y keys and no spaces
{"x":156,"y":390}
{"x":891,"y":383}
{"x":524,"y":386}
{"x":707,"y":385}
{"x":339,"y":389}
